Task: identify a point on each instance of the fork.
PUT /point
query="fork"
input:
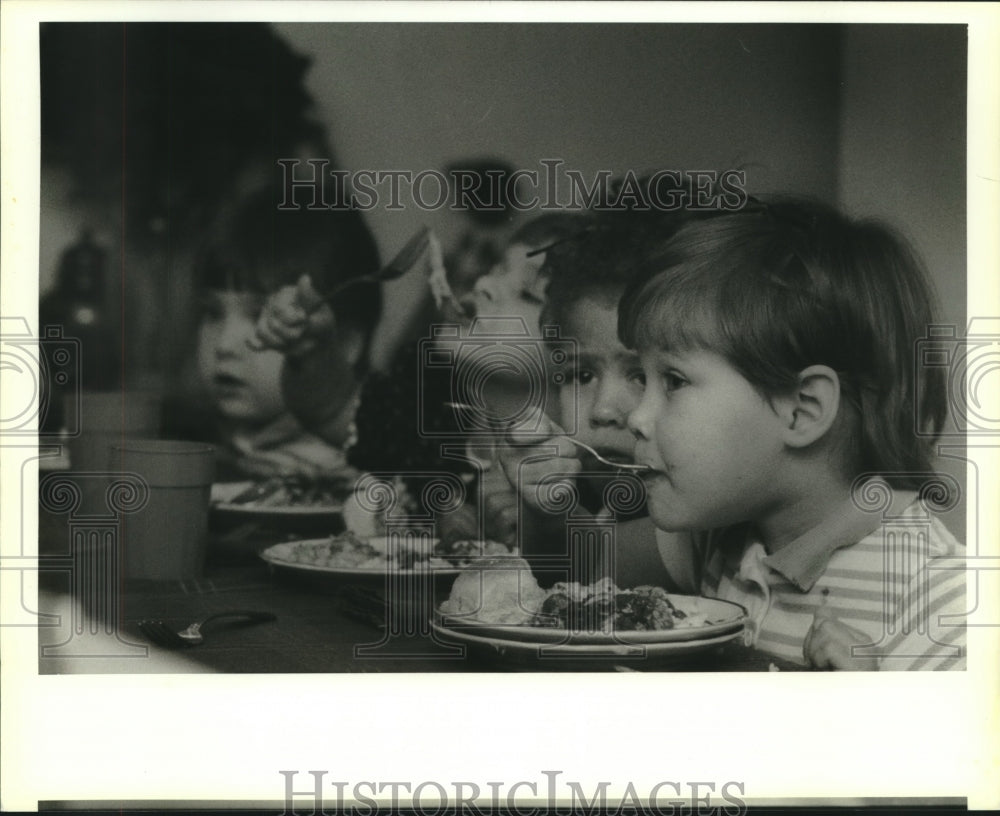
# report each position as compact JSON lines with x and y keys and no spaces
{"x":163,"y":635}
{"x":396,"y":268}
{"x":618,"y":465}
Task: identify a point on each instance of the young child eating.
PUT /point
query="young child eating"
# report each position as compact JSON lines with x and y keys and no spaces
{"x":780,"y":395}
{"x":252,"y":251}
{"x":587,"y":277}
{"x":407,"y":421}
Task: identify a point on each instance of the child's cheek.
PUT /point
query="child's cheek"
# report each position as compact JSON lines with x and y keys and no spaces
{"x":267,"y":367}
{"x":569,"y":417}
{"x":205,"y":354}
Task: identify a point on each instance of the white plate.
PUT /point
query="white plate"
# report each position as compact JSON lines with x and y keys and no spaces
{"x":224,"y":492}
{"x":723,"y":617}
{"x":583,"y":657}
{"x":256,"y":511}
{"x":277,"y":556}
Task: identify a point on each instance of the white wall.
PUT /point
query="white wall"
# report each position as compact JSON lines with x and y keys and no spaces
{"x":903,"y":142}
{"x":599,"y":97}
{"x":415,"y":96}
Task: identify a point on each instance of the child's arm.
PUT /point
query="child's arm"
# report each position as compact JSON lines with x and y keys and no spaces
{"x":535,"y":464}
{"x":299,"y":323}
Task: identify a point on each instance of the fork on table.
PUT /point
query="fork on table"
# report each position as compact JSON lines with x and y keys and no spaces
{"x":164,"y":635}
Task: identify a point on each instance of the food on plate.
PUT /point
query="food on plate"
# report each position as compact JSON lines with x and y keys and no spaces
{"x":350,"y":551}
{"x":367,"y":505}
{"x":295,"y":491}
{"x":602,"y":605}
{"x":503,"y":590}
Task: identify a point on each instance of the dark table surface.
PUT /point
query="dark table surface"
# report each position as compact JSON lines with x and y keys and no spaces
{"x":322,"y":625}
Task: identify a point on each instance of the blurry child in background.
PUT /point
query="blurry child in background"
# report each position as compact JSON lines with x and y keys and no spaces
{"x":406,"y":416}
{"x":404,"y":419}
{"x":252,"y":251}
{"x":781,"y":397}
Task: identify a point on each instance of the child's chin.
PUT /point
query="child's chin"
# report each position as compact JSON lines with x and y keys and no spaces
{"x":668,"y":524}
{"x":237,"y":411}
{"x":665,"y":517}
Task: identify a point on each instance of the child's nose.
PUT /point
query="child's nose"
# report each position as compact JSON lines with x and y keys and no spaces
{"x":233,"y":337}
{"x":640,"y":419}
{"x":610,"y":407}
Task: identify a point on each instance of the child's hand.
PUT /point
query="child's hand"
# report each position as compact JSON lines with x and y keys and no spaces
{"x":828,"y":645}
{"x":520,"y":446}
{"x":460,"y":525}
{"x":294,"y":319}
{"x":501,"y":510}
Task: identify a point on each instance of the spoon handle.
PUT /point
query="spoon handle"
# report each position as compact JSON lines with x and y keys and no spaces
{"x":618,"y":465}
{"x":599,"y":458}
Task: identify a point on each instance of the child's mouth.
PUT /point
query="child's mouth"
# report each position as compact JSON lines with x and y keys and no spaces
{"x":227,"y":381}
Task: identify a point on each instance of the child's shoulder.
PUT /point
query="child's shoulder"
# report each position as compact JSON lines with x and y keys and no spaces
{"x":914,"y":525}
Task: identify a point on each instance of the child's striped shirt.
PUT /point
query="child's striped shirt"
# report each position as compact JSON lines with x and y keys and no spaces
{"x":892,"y":583}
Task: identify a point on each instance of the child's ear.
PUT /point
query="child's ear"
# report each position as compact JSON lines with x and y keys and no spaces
{"x":811,"y":408}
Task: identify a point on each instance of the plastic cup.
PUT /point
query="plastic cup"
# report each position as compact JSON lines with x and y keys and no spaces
{"x":105,"y":418}
{"x":166,"y":539}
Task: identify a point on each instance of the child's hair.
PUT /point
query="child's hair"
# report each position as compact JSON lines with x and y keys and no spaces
{"x":602,"y":260}
{"x":258,"y":247}
{"x":551,"y":229}
{"x":780,"y":286}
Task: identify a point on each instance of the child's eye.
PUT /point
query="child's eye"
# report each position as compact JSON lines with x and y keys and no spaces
{"x":580,"y":376}
{"x":672,"y":381}
{"x":637,"y":378}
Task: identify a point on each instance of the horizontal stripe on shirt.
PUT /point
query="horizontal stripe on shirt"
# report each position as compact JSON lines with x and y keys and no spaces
{"x":883,"y":586}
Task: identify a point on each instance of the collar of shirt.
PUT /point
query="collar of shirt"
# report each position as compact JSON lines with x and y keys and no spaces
{"x":805,"y":559}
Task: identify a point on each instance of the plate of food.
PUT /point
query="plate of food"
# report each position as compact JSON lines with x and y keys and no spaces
{"x":347,"y":556}
{"x":497,"y":608}
{"x":292,"y":504}
{"x":283,"y":495}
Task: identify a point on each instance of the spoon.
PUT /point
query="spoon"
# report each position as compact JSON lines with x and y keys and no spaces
{"x":618,"y":465}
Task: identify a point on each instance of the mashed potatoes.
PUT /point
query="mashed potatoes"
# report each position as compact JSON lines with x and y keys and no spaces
{"x":498,"y":590}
